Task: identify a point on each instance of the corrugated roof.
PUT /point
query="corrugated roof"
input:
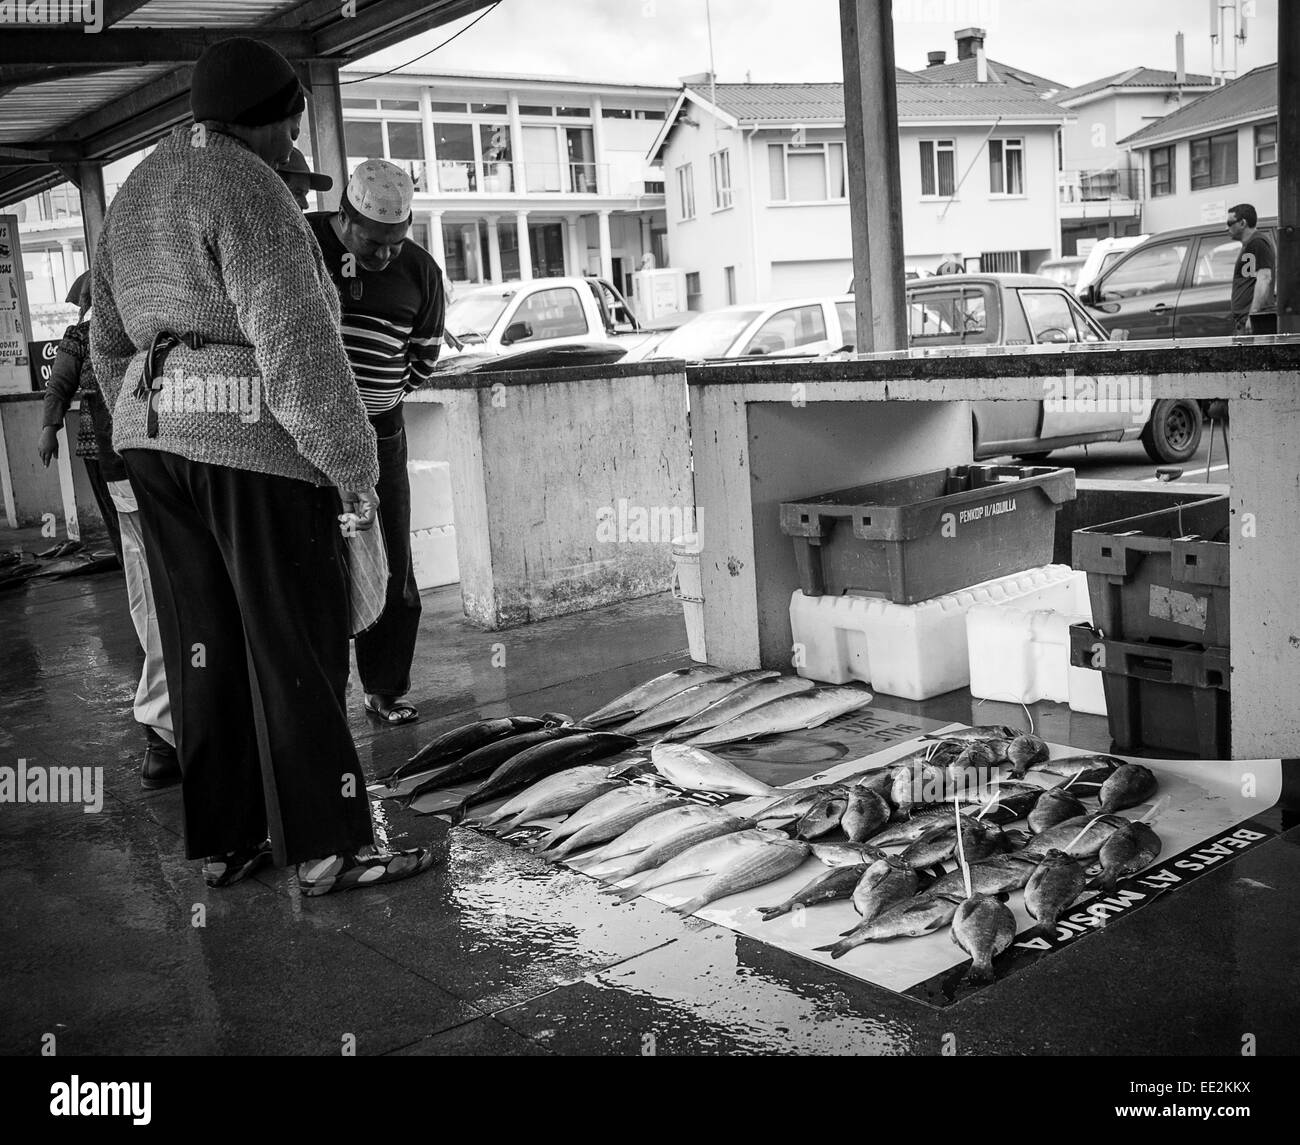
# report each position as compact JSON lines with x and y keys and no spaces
{"x":38,"y":110}
{"x":1255,"y":93}
{"x":963,"y":71}
{"x":1136,"y":77}
{"x":201,"y":13}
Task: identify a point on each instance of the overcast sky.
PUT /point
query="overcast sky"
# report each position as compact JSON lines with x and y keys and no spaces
{"x":658,"y":41}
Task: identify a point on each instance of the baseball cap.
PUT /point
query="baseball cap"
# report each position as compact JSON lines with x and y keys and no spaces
{"x":297,"y":164}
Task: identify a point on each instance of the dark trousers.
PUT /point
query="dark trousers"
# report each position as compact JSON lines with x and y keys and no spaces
{"x":252,"y":610}
{"x":107,"y":510}
{"x":385,"y":652}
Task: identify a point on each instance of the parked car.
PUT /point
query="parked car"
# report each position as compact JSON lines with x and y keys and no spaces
{"x":795,"y":327}
{"x":1063,"y":270}
{"x":1104,"y":254}
{"x":1177,"y":284}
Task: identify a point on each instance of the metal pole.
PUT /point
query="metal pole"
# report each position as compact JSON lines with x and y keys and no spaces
{"x":94,"y":204}
{"x":1288,"y":158}
{"x":328,"y":149}
{"x":875,"y":196}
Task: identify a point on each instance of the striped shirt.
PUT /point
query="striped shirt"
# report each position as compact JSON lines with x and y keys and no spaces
{"x":392,"y":318}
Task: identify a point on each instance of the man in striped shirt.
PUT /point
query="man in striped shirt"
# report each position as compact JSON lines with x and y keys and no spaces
{"x":392,"y":298}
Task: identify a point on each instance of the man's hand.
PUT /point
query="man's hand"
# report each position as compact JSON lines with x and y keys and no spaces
{"x":48,"y":445}
{"x":359,"y":509}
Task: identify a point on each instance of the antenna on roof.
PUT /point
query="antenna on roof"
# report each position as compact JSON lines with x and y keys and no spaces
{"x":713,"y":72}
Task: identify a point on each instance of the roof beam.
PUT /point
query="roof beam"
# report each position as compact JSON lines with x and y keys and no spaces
{"x":124,"y":46}
{"x":116,"y":10}
{"x":383,"y":23}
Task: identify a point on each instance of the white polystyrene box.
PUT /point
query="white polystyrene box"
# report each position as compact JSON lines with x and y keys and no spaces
{"x":430,"y":494}
{"x":910,"y":650}
{"x":433,"y":554}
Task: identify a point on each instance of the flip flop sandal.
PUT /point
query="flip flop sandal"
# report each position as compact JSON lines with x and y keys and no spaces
{"x":226,"y":870}
{"x":349,"y":872}
{"x":395,"y":713}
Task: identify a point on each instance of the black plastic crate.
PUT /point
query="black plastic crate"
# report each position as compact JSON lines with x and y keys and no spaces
{"x":1161,"y":576}
{"x":913,"y":538}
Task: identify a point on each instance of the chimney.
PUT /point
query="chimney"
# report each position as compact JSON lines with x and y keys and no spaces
{"x":935,"y":59}
{"x":1180,"y":74}
{"x":699,"y":79}
{"x":968,"y":40}
{"x":981,"y":66}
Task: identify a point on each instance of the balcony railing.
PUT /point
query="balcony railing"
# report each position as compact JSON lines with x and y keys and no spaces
{"x":1100,"y":186}
{"x":501,"y":177}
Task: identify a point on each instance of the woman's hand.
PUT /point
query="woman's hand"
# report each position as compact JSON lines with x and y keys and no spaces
{"x":48,"y":445}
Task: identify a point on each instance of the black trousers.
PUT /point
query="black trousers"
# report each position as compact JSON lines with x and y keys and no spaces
{"x":252,"y":609}
{"x":385,"y":652}
{"x":104,"y":500}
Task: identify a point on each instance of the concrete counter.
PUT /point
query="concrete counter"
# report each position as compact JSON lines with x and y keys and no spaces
{"x":765,"y":433}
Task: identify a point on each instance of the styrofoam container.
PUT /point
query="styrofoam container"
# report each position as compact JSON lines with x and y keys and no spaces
{"x":910,"y":650}
{"x":431,"y":506}
{"x":687,"y":587}
{"x":433,"y":554}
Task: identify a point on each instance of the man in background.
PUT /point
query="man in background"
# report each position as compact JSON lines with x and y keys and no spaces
{"x":1254,"y":307}
{"x":301,"y":179}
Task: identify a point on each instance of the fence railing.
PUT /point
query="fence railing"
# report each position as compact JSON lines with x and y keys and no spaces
{"x":503,"y":177}
{"x":1104,"y":185}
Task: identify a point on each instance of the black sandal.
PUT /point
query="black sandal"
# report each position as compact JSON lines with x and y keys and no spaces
{"x":235,"y":866}
{"x":392,"y":712}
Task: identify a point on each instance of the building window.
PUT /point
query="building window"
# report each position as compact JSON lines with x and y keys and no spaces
{"x":1007,"y":166}
{"x":686,"y":191}
{"x":535,"y":109}
{"x":938,"y":164}
{"x":1266,"y":151}
{"x":368,"y":104}
{"x":812,"y":173}
{"x":574,"y":112}
{"x":692,"y":290}
{"x":400,"y":104}
{"x":363,"y":140}
{"x":616,"y":113}
{"x":405,"y":140}
{"x":654,"y":187}
{"x":729,"y":277}
{"x":721,"y":161}
{"x":487,"y":108}
{"x":652,"y":115}
{"x":1214,"y":160}
{"x":1162,"y":171}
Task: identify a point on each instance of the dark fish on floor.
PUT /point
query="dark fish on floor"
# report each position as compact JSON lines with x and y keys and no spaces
{"x":824,"y":815}
{"x":908,"y":919}
{"x":998,"y":875}
{"x":485,"y":760}
{"x":1127,"y":786}
{"x":886,"y":882}
{"x":452,"y":745}
{"x":1052,"y":888}
{"x":1126,"y":852}
{"x":865,"y":814}
{"x":923,"y":819}
{"x":1054,"y":806}
{"x":939,"y":844}
{"x":1079,"y":768}
{"x":1025,"y":750}
{"x":796,"y":804}
{"x":829,"y":886}
{"x":847,"y":854}
{"x":1080,"y":838}
{"x":983,"y":928}
{"x":638,"y":699}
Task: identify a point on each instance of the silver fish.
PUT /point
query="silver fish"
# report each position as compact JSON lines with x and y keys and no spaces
{"x":612,"y":802}
{"x":846,"y":854}
{"x":657,"y":827}
{"x":775,"y":859}
{"x":707,"y":858}
{"x":1080,"y":838}
{"x":658,"y":854}
{"x":867,"y":812}
{"x":737,"y":703}
{"x":556,"y":794}
{"x":907,"y":919}
{"x":995,"y":876}
{"x":1080,"y":768}
{"x":636,"y":701}
{"x":829,"y":886}
{"x":612,"y":825}
{"x":1125,"y":853}
{"x":691,"y":701}
{"x":794,"y":805}
{"x":790,"y":713}
{"x":983,"y":928}
{"x":698,"y":770}
{"x":1127,"y":786}
{"x":1054,"y":806}
{"x":884,"y":883}
{"x":1055,"y":884}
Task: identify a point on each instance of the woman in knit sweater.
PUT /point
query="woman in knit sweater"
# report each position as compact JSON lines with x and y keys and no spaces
{"x":215,"y":338}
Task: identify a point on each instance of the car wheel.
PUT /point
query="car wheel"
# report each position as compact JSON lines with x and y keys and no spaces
{"x":1032,"y":458}
{"x":1173,"y":432}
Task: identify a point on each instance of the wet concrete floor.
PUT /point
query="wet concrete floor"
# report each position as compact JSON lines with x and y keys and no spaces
{"x":110,"y":941}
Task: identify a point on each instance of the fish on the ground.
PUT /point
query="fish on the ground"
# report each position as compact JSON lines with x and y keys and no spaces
{"x":788,"y":714}
{"x":637,"y":700}
{"x":1024,"y":751}
{"x":669,"y":847}
{"x":981,"y":734}
{"x":846,"y":854}
{"x":917,"y":784}
{"x":1080,"y":838}
{"x":613,"y":825}
{"x":1058,"y":880}
{"x":777,"y":858}
{"x":1055,"y":805}
{"x":691,"y":701}
{"x":886,"y":882}
{"x":611,"y":803}
{"x":1127,"y":786}
{"x":657,"y":827}
{"x":923,"y":819}
{"x":698,"y":770}
{"x":866,"y":813}
{"x":541,"y":760}
{"x":795,"y":805}
{"x":824,"y":815}
{"x":460,"y":741}
{"x":486,"y":759}
{"x":833,"y":885}
{"x":737,"y":703}
{"x":998,"y":875}
{"x":1133,"y":847}
{"x":983,"y":928}
{"x":556,"y":794}
{"x":939,"y":844}
{"x":1078,"y":768}
{"x":1005,"y":800}
{"x":908,"y":919}
{"x":706,"y":858}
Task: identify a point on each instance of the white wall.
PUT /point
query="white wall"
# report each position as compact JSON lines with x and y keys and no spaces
{"x":1092,"y":141}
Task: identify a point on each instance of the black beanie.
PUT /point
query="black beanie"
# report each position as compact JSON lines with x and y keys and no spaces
{"x":244,"y":81}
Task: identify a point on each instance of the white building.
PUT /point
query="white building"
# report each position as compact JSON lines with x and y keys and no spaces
{"x":1211,"y":154}
{"x":506,"y":163}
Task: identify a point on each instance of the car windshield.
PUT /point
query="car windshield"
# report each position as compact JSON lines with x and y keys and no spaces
{"x":1066,"y":273}
{"x":471,"y":317}
{"x":708,"y":336}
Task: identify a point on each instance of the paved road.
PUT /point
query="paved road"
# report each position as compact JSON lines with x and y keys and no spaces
{"x":1128,"y":461}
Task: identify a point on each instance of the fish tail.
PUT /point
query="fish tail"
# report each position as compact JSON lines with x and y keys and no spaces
{"x":459,"y":812}
{"x":771,"y":912}
{"x":841,"y":948}
{"x":981,"y":971}
{"x":626,"y":894}
{"x":1045,"y":929}
{"x":692,"y":906}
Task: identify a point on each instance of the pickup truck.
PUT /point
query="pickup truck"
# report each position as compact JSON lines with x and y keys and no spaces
{"x":495,"y":319}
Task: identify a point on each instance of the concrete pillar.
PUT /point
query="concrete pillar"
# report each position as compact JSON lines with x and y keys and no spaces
{"x":1288,"y":182}
{"x":437,"y":247}
{"x":525,"y":250}
{"x":94,"y":204}
{"x":578,"y":245}
{"x":606,"y":252}
{"x":494,"y":249}
{"x":69,"y":263}
{"x":516,"y":144}
{"x":601,"y":173}
{"x":328,"y":149}
{"x":473,"y":255}
{"x":430,"y":182}
{"x":647,"y":237}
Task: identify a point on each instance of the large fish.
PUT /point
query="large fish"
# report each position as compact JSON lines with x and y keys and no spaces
{"x":1080,"y":838}
{"x":681,"y":841}
{"x":983,"y":928}
{"x":1024,"y":751}
{"x":486,"y":759}
{"x":658,"y":827}
{"x":1054,"y":806}
{"x":611,"y":803}
{"x":613,"y":825}
{"x":1127,"y":786}
{"x":917,"y":784}
{"x":1079,"y":768}
{"x":693,"y":700}
{"x":828,"y":886}
{"x":739,"y":702}
{"x":884,"y":883}
{"x":917,"y":916}
{"x":652,"y":692}
{"x":706,"y":858}
{"x":698,"y":770}
{"x":1005,"y":801}
{"x":847,"y":854}
{"x":939,"y":844}
{"x":542,"y":760}
{"x":788,"y":714}
{"x":925,"y":819}
{"x":556,"y":794}
{"x":1054,"y":885}
{"x":998,"y":875}
{"x":824,"y":815}
{"x":866,"y":813}
{"x":794,"y":805}
{"x":775,"y":859}
{"x":453,"y":744}
{"x":1126,"y":852}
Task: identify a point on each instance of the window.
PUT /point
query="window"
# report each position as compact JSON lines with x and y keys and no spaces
{"x":1215,"y":262}
{"x":554,"y":313}
{"x":686,"y":191}
{"x":368,"y":104}
{"x":788,"y":330}
{"x":654,"y":187}
{"x":1149,"y":269}
{"x":721,"y":161}
{"x":1007,"y":166}
{"x":363,"y":140}
{"x":535,"y":109}
{"x":652,"y":115}
{"x":455,"y":147}
{"x":1049,"y":316}
{"x":1162,"y":171}
{"x":440,"y":105}
{"x":962,"y":315}
{"x":692,"y":290}
{"x":1214,"y":160}
{"x":809,"y":174}
{"x":1266,"y":151}
{"x":405,"y":141}
{"x":574,"y":112}
{"x":582,"y":160}
{"x":488,"y":108}
{"x":848,"y":316}
{"x":938,"y":164}
{"x":729,"y":278}
{"x":616,"y":113}
{"x":400,"y":104}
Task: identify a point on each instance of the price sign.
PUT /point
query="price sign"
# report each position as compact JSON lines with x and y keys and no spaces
{"x":41,"y":357}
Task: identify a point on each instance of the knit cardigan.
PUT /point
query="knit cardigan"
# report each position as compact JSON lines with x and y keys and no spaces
{"x":204,"y":236}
